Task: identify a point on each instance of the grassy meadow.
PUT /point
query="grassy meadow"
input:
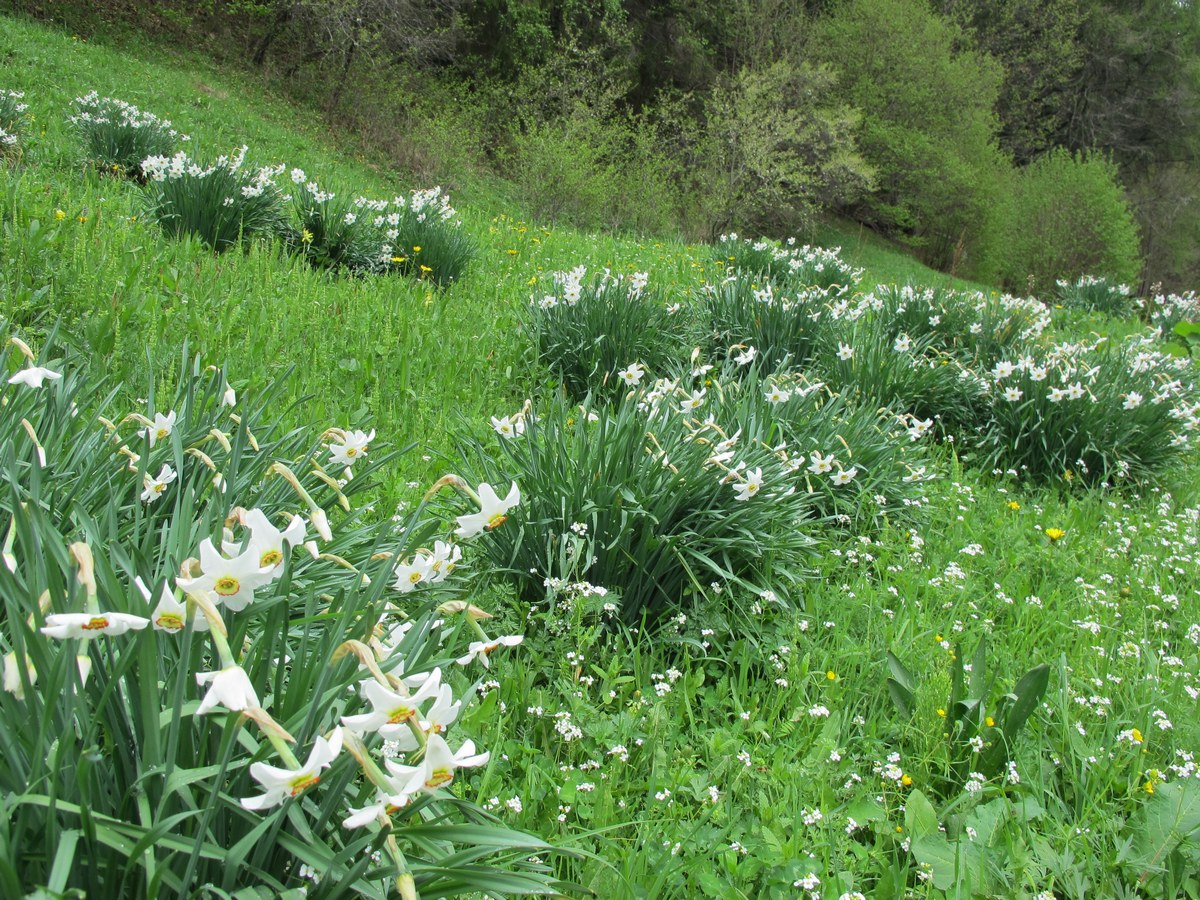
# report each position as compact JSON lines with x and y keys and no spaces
{"x":827,"y":586}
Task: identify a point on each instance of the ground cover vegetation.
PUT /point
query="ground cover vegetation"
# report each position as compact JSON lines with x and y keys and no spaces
{"x":492,"y":557}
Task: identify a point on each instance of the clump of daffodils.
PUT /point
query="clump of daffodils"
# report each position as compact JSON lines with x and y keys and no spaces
{"x":12,"y":121}
{"x":118,"y":137}
{"x":224,"y":203}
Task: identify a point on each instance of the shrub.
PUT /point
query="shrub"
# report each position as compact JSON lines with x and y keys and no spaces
{"x":12,"y":122}
{"x":780,"y":145}
{"x":1091,"y":413}
{"x":928,"y":125}
{"x":103,"y":517}
{"x":588,"y":331}
{"x":1068,"y":217}
{"x":1095,"y":294}
{"x":117,"y":136}
{"x":223,"y":204}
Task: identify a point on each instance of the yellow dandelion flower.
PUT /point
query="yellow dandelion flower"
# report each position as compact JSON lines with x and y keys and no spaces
{"x":831,"y":675}
{"x":906,"y":780}
{"x":1055,"y":534}
{"x":989,"y":722}
{"x":59,"y":215}
{"x":1013,"y":504}
{"x":941,"y":713}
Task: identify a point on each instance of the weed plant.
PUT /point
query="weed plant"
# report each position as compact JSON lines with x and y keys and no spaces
{"x":117,"y":136}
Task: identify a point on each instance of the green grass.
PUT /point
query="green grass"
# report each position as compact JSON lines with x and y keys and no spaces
{"x":1110,"y":607}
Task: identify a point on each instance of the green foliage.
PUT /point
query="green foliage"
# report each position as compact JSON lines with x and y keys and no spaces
{"x":1068,"y":217}
{"x":780,"y":146}
{"x":429,"y":240}
{"x":335,"y":231}
{"x":789,"y":267}
{"x":1095,"y":294}
{"x":908,"y":375}
{"x":588,"y":330}
{"x":117,"y":136}
{"x":1097,"y":413}
{"x":976,"y":329}
{"x":1168,"y":311}
{"x":115,"y":776}
{"x":783,"y":329}
{"x":222,"y":204}
{"x":656,"y":491}
{"x":12,"y":122}
{"x":928,"y":126}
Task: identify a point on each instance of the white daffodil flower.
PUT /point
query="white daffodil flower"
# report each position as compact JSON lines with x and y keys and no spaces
{"x":751,"y":486}
{"x":384,"y":804}
{"x":481,"y":649}
{"x":493,"y":511}
{"x":34,"y":376}
{"x":1132,"y":400}
{"x":1012,"y":394}
{"x":410,"y":574}
{"x":154,"y":487}
{"x":233,"y":581}
{"x":746,"y":357}
{"x":78,"y":625}
{"x":391,"y":711}
{"x":778,"y":395}
{"x":437,"y":768}
{"x":903,"y":344}
{"x":632,"y":373}
{"x":844,"y":476}
{"x":283,"y":783}
{"x":821,"y":464}
{"x":160,"y":428}
{"x":352,"y":449}
{"x":509,"y":427}
{"x":229,"y":687}
{"x":845,"y":351}
{"x":267,"y":540}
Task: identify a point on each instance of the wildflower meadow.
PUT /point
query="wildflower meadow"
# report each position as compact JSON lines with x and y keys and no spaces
{"x":358,"y":544}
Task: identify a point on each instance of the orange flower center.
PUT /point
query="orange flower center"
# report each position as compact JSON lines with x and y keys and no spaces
{"x":439,"y":777}
{"x":270,"y":558}
{"x":170,"y":621}
{"x":401,"y":714}
{"x":496,"y":521}
{"x":98,"y":623}
{"x":304,"y":782}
